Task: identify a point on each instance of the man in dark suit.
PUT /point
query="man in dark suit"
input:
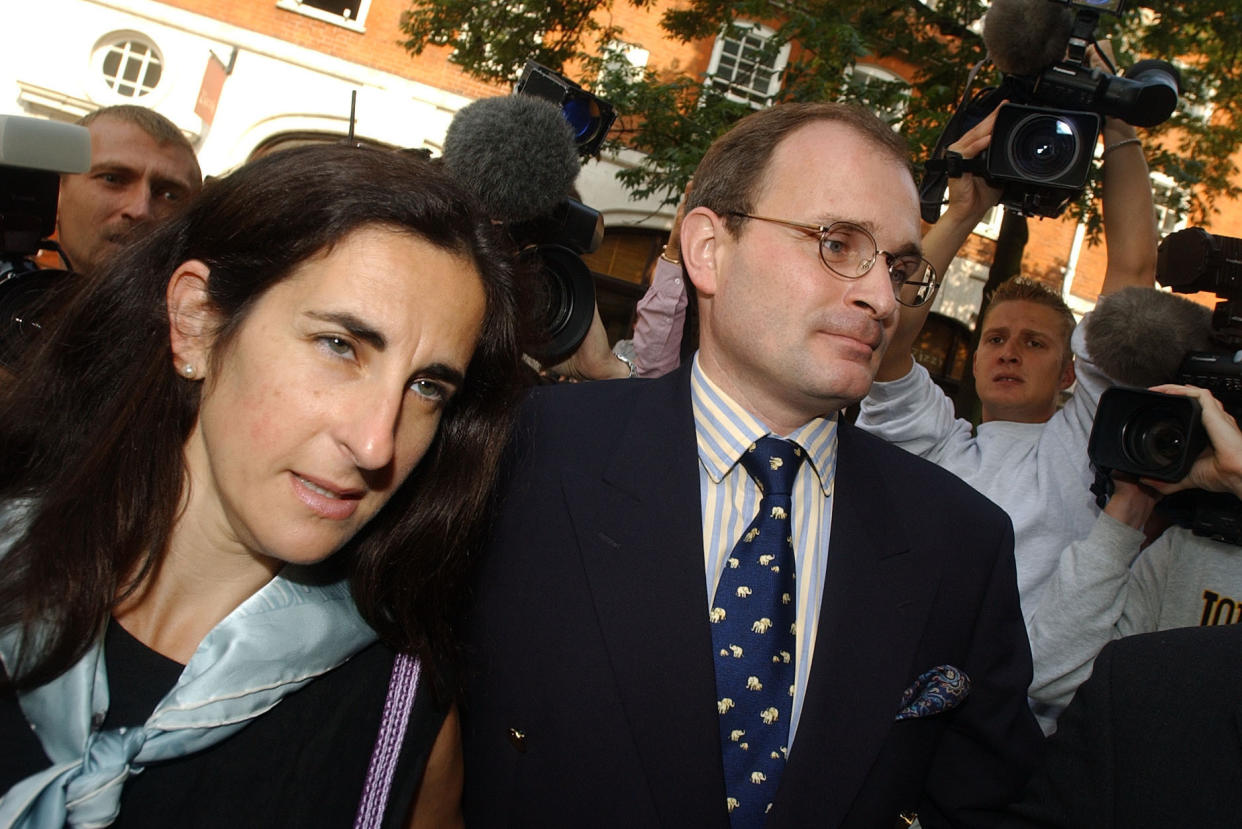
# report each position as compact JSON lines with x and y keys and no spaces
{"x":1152,"y":739}
{"x":605,"y":636}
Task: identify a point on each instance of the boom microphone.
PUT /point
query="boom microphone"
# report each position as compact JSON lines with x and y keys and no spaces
{"x":1024,"y":36}
{"x":515,"y":153}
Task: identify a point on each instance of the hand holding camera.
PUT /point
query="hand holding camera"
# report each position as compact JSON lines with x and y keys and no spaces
{"x":1056,"y":95}
{"x":971,"y":195}
{"x":1219,"y":468}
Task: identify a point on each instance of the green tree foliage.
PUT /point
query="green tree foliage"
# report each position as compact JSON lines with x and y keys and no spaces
{"x":670,"y":114}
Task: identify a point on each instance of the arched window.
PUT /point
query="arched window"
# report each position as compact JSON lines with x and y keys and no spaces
{"x":130,"y":64}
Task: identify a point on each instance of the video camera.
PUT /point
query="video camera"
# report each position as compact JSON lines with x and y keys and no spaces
{"x":564,"y":295}
{"x":520,"y":155}
{"x":590,"y":116}
{"x":1159,"y":436}
{"x":33,"y":154}
{"x":1044,"y":138}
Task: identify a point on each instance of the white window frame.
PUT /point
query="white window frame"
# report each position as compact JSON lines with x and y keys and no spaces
{"x":357,"y":24}
{"x":879,"y":73}
{"x":779,"y":62}
{"x":990,"y":225}
{"x":105,"y":89}
{"x":628,"y":57}
{"x":1163,"y":190}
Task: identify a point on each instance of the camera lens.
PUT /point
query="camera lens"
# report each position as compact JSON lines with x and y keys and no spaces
{"x":562,"y":302}
{"x":1155,"y":439}
{"x":583,"y":116}
{"x":1044,"y":147}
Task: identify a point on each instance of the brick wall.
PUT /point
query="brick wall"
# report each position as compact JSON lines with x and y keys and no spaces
{"x":379,"y":47}
{"x":1047,"y":253}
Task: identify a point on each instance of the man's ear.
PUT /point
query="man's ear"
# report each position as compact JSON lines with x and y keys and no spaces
{"x":1067,"y":375}
{"x":701,"y":234}
{"x":191,"y":319}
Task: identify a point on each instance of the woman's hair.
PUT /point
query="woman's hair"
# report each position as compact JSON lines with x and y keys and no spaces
{"x":93,"y":428}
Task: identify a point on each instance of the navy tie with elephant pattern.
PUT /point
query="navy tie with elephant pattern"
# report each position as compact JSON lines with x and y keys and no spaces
{"x":753,"y":617}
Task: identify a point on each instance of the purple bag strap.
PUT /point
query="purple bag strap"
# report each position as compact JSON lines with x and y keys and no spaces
{"x":402,"y":686}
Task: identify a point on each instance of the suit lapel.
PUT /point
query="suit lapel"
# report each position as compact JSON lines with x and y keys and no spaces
{"x":874,"y":609}
{"x":640,"y":535}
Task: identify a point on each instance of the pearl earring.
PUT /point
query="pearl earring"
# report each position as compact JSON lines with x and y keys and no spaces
{"x":188,"y":370}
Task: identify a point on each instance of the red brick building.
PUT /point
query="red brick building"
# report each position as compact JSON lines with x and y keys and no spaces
{"x":284,"y":70}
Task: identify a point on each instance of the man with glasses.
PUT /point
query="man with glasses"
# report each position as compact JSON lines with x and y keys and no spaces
{"x":709,"y":602}
{"x":1029,"y":455}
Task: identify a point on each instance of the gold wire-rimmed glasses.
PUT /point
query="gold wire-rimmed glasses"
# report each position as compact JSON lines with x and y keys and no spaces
{"x":849,"y":251}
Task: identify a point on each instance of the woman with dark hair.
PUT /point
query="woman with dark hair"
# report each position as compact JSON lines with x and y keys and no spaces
{"x":262,"y":437}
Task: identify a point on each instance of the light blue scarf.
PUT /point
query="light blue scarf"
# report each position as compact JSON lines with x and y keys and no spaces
{"x":282,"y":637}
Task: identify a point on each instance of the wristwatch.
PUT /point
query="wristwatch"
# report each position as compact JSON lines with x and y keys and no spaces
{"x":628,"y":363}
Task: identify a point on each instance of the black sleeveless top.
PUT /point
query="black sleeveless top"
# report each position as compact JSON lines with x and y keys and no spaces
{"x":301,"y":764}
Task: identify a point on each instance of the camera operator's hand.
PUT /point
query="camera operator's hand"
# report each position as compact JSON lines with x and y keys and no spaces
{"x":1102,"y":58}
{"x":970,"y":197}
{"x":1131,"y":502}
{"x":1218,"y":469}
{"x":594,"y":359}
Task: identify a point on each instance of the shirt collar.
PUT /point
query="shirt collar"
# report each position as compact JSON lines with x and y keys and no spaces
{"x":725,"y":430}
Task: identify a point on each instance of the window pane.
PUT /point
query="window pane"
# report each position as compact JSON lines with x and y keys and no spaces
{"x":152,"y":77}
{"x":345,"y":8}
{"x":132,"y":68}
{"x":744,"y":69}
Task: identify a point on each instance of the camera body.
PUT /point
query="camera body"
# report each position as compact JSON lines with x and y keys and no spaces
{"x":1041,"y":156}
{"x":563,"y":301}
{"x":1146,"y":434}
{"x":1044,"y":138}
{"x":33,"y":154}
{"x":1158,"y":436}
{"x":590,"y":116}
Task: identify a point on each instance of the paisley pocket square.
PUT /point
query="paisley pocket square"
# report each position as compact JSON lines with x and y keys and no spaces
{"x":934,"y":692}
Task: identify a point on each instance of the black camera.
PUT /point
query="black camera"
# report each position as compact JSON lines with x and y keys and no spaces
{"x":563,"y":301}
{"x":1159,"y":436}
{"x":590,"y":117}
{"x":1046,"y":148}
{"x":1146,"y":434}
{"x":520,"y":155}
{"x":1193,"y":260}
{"x":563,"y":305}
{"x":1045,"y":136}
{"x":33,"y":154}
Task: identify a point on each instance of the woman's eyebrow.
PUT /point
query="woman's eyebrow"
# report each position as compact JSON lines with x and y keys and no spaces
{"x":444,"y":373}
{"x":354,"y":325}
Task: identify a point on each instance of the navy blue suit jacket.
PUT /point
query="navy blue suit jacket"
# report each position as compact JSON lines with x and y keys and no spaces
{"x":591,"y":689}
{"x":1152,"y":739}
